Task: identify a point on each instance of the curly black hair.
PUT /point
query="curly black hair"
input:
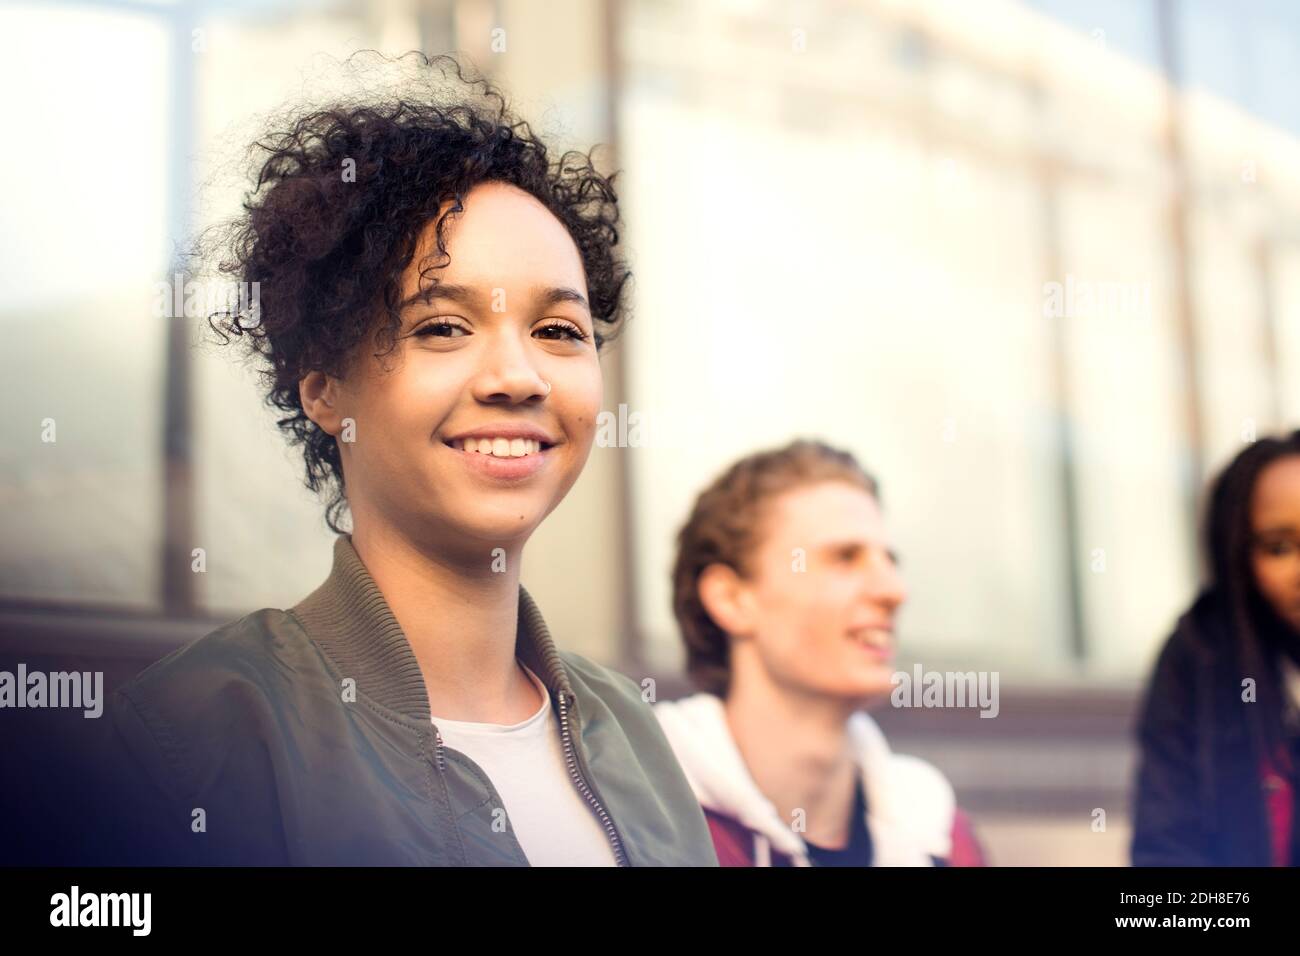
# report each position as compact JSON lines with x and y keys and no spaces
{"x":341,"y":195}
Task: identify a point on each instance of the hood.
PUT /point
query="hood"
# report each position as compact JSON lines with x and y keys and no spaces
{"x":910,"y":805}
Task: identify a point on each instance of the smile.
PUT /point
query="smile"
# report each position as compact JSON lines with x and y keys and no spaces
{"x":501,"y":459}
{"x":877,"y":640}
{"x":500,"y":447}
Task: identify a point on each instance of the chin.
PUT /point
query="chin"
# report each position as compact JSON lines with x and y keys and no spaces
{"x":878,"y":693}
{"x":500,"y":529}
{"x":873,"y":688}
{"x":488,"y":528}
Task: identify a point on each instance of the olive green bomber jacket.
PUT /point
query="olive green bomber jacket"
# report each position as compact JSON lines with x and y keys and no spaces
{"x":304,"y":737}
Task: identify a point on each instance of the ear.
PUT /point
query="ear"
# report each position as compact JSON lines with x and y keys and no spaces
{"x":727,"y":599}
{"x":319,"y":394}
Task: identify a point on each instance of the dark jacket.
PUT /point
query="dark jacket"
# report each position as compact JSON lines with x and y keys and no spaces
{"x":1207,"y":794}
{"x":251,"y":730}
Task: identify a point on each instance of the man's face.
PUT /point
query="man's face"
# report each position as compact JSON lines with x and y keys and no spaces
{"x":1275,"y":523}
{"x":825,"y":589}
{"x":507,"y":316}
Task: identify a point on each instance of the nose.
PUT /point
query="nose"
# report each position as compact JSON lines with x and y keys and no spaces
{"x":507,"y":374}
{"x":885,"y":585}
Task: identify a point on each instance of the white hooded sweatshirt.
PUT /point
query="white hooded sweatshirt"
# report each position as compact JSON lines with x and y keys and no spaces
{"x":910,"y":805}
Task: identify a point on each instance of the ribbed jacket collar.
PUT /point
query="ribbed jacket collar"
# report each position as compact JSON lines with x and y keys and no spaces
{"x":351,"y":622}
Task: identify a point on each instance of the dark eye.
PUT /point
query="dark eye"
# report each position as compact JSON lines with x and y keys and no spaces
{"x":441,"y":329}
{"x":565,"y":330}
{"x":1276,"y":549}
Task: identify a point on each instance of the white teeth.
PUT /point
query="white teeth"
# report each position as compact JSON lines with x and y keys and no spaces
{"x":873,"y":637}
{"x":501,"y":447}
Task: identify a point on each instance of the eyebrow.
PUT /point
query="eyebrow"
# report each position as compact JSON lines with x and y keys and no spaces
{"x":840,"y":544}
{"x":1276,"y":529}
{"x":553,"y":295}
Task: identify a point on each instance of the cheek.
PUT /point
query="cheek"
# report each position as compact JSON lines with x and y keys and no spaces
{"x":797,"y":613}
{"x":426,"y":389}
{"x":398,"y":414}
{"x":816,"y":648}
{"x":827,"y":596}
{"x":416,"y":401}
{"x":803,"y":594}
{"x":1274,"y":576}
{"x":582,"y":407}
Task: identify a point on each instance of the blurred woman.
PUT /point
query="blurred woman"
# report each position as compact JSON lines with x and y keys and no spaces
{"x":786,"y":588}
{"x":1220,"y":721}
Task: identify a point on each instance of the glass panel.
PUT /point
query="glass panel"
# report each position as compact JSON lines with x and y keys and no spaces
{"x":84,"y":244}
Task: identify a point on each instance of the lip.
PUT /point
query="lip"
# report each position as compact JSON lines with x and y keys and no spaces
{"x":887,"y":628}
{"x":501,"y":469}
{"x":880,"y":653}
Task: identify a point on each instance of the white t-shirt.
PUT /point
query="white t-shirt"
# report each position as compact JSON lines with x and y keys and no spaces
{"x":525,"y":762}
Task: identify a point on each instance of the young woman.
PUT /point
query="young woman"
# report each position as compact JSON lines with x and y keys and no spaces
{"x":434,"y":291}
{"x":1219,"y":729}
{"x":785,"y":588}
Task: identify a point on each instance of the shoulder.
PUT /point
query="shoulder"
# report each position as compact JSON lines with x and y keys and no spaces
{"x":910,"y":778}
{"x":615,"y":687}
{"x":912,"y":801}
{"x":923,"y":813}
{"x":603,"y":692}
{"x":1200,"y":642}
{"x":926,"y":798}
{"x":920,"y":780}
{"x":213,"y":693}
{"x":242,"y":653}
{"x":635,"y":764}
{"x":1202,"y":634}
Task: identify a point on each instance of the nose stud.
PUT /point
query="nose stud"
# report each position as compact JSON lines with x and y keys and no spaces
{"x":548,"y":387}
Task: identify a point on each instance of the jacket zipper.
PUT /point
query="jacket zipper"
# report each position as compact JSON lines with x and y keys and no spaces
{"x":616,"y":844}
{"x":620,"y":858}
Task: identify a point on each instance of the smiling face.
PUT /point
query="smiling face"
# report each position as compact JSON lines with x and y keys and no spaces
{"x":1275,"y":527}
{"x":502,"y":352}
{"x":827,"y":629}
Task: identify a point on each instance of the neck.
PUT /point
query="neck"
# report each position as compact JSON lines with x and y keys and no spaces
{"x":797,"y":749}
{"x":460,"y":618}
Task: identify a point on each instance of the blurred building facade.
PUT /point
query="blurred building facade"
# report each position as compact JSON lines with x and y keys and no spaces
{"x":1041,"y":284}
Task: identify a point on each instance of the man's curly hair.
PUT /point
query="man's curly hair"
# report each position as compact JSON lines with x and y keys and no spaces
{"x":341,"y":195}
